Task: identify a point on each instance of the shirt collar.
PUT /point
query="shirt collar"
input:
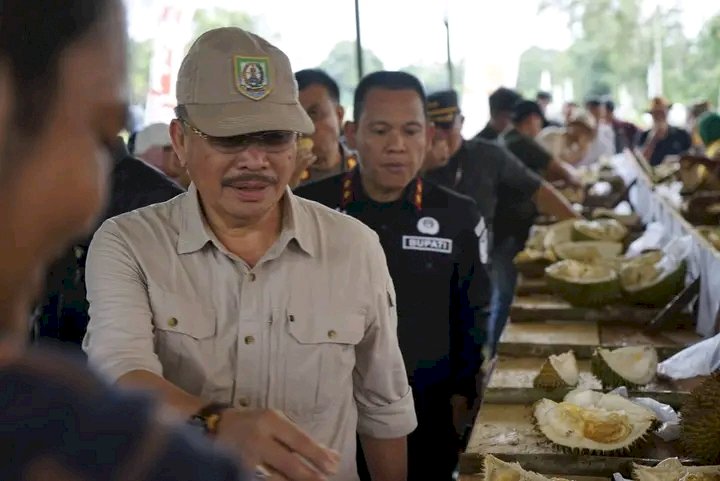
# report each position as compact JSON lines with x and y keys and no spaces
{"x":195,"y":233}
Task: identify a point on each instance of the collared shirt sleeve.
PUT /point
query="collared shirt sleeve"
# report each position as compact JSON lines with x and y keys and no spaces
{"x":470,"y":291}
{"x":119,"y":337}
{"x":384,"y":399}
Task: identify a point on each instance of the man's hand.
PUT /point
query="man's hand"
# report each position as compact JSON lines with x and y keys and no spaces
{"x":269,"y":441}
{"x":462,"y":414}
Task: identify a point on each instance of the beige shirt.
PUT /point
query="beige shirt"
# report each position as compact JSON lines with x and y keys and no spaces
{"x":310,"y":330}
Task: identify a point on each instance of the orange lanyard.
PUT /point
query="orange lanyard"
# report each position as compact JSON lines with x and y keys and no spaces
{"x":348,"y":196}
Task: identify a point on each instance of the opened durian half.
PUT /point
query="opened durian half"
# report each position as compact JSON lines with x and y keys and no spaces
{"x":627,"y":366}
{"x":673,"y":470}
{"x":652,"y":280}
{"x":603,"y":424}
{"x":583,"y":284}
{"x":558,"y":372}
{"x":599,"y":230}
{"x":700,"y":421}
{"x":588,"y":251}
{"x":499,"y":470}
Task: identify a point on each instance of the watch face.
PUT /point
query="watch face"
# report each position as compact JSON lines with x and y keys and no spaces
{"x":199,"y":423}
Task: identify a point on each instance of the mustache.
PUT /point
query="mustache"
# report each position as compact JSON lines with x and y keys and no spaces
{"x":238,"y":179}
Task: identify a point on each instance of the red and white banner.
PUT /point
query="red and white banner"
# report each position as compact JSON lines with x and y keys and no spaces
{"x":174,"y":29}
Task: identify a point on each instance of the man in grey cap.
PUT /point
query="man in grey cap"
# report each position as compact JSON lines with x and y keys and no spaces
{"x":242,"y":305}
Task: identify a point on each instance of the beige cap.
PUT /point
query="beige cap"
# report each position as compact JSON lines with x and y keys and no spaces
{"x":233,"y":82}
{"x":583,"y":117}
{"x":154,"y":135}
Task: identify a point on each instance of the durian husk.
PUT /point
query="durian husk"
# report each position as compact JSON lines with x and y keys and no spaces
{"x":612,"y":379}
{"x":584,"y":285}
{"x":599,"y":230}
{"x":549,"y":378}
{"x":495,"y":469}
{"x":712,"y":234}
{"x":665,"y":286}
{"x":672,"y":469}
{"x":700,"y":421}
{"x":628,"y":220}
{"x":588,"y":251}
{"x":605,"y":435}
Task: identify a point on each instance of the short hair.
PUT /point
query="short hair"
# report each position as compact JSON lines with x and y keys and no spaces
{"x":503,"y":100}
{"x":543,"y":95}
{"x":33,"y":38}
{"x":313,"y":76}
{"x":388,"y":81}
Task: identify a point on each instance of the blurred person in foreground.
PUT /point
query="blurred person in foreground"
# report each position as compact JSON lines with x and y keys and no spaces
{"x":63,"y":66}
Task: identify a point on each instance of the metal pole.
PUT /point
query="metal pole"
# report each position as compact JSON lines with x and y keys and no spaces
{"x":451,"y":73}
{"x":358,"y":42}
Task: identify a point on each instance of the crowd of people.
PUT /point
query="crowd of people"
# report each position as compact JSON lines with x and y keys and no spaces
{"x":262,"y":289}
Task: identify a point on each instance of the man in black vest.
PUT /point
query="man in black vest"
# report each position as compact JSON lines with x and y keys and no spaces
{"x":436,"y":247}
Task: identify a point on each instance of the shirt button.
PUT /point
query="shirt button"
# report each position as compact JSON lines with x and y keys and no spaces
{"x":172,"y":322}
{"x":332,"y":334}
{"x":252,"y":277}
{"x":249,"y":340}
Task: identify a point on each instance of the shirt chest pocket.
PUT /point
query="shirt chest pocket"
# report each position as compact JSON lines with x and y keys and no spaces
{"x":184,"y":339}
{"x":318,"y":359}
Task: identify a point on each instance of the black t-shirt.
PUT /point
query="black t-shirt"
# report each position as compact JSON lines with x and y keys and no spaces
{"x":483,"y":170}
{"x":55,"y":415}
{"x":488,"y":133}
{"x":436,"y":256}
{"x":531,"y":153}
{"x":515,"y":214}
{"x":676,"y":142}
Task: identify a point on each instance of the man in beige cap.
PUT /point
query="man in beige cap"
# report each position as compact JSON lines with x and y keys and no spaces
{"x":238,"y":296}
{"x":153,"y":145}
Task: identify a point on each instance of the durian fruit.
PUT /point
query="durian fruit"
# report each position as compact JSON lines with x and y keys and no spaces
{"x":631,"y":366}
{"x":558,"y":371}
{"x":628,"y":220}
{"x":532,"y":263}
{"x":611,"y":425}
{"x":558,"y":233}
{"x":588,"y":251}
{"x":599,"y":230}
{"x":648,"y":281}
{"x":499,"y":470}
{"x":586,"y":285}
{"x":700,"y":421}
{"x":672,"y":469}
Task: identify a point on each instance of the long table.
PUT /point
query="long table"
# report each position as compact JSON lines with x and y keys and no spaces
{"x":704,"y":261}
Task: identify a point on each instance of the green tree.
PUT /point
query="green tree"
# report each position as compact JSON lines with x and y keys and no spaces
{"x":208,"y":19}
{"x":139,"y":66}
{"x":435,"y":76}
{"x":341,"y":65}
{"x":533,"y":62}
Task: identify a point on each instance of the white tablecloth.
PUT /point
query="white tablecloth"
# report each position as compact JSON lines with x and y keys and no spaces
{"x":704,"y":260}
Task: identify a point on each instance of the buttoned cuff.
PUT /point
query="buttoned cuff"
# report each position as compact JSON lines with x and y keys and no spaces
{"x":389,"y":421}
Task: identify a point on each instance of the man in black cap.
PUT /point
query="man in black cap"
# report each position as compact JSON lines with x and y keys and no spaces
{"x":484,"y":171}
{"x":436,"y":247}
{"x":502,"y":102}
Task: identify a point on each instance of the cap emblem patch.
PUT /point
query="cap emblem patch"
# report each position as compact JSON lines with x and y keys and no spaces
{"x":252,"y":76}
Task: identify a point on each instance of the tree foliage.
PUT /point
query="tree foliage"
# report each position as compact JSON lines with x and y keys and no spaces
{"x":613,"y":48}
{"x":341,"y":65}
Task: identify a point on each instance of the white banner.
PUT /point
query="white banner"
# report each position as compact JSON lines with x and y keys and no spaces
{"x":174,"y":29}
